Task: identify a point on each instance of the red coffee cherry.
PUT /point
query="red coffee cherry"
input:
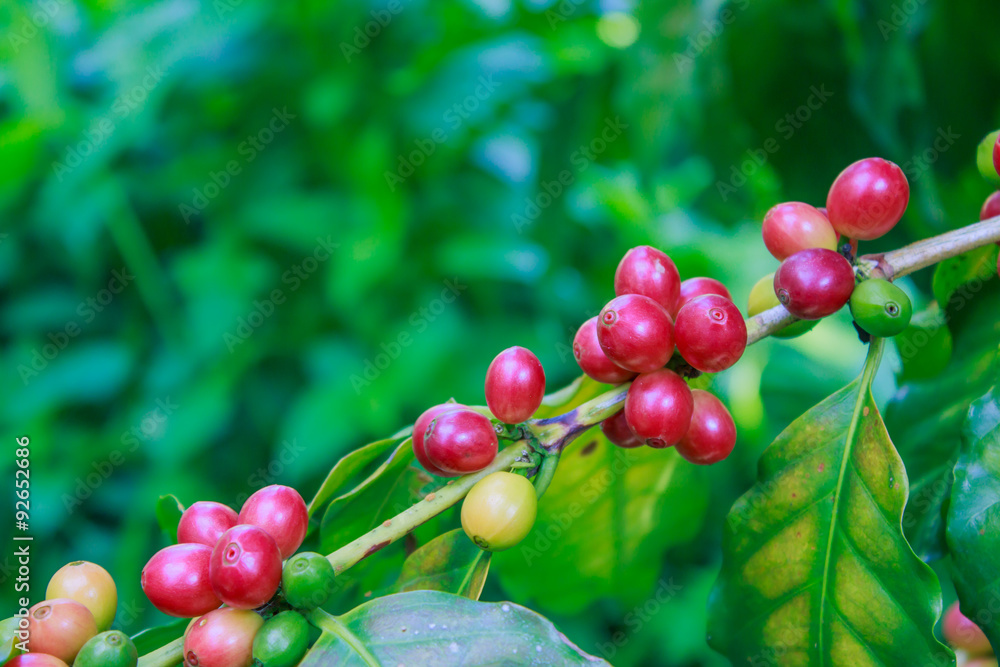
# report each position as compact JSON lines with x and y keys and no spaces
{"x":176,"y":580}
{"x":616,"y":429}
{"x":222,"y":638}
{"x":650,"y":272}
{"x":204,"y":522}
{"x":794,"y":226}
{"x":591,"y":358}
{"x":281,"y":512}
{"x":868,"y":199}
{"x":658,"y":408}
{"x":461,"y":441}
{"x":59,"y":628}
{"x":712,"y":434}
{"x":636,"y":333}
{"x":996,"y":155}
{"x":962,"y":633}
{"x":814,"y":283}
{"x":991,"y":207}
{"x":420,"y":428}
{"x":34,"y":660}
{"x":692,"y":288}
{"x":710,"y":333}
{"x":245,"y":567}
{"x":515,"y":385}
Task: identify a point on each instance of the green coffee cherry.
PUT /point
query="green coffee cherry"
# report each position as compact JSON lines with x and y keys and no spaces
{"x":282,"y":641}
{"x":108,"y":649}
{"x":762,"y":297}
{"x":984,"y":158}
{"x":307,"y":580}
{"x":881,"y":308}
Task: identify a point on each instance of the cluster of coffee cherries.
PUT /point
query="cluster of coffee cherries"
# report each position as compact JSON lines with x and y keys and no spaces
{"x":71,"y":626}
{"x":968,"y":639}
{"x":239,"y":561}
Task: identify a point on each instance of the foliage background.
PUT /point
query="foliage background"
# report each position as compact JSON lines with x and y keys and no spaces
{"x":116,"y":114}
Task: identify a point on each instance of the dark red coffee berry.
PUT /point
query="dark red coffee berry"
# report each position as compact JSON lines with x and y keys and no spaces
{"x":461,"y":441}
{"x":658,"y":408}
{"x":692,"y":288}
{"x":616,"y":429}
{"x":868,"y":199}
{"x":650,"y":272}
{"x":281,"y":512}
{"x":591,"y":358}
{"x":814,"y":283}
{"x":710,"y":333}
{"x":177,"y":581}
{"x":712,"y":434}
{"x":991,"y":207}
{"x":515,"y":385}
{"x":420,"y":428}
{"x":636,"y":333}
{"x":245,"y":567}
{"x":794,"y":226}
{"x":204,"y":522}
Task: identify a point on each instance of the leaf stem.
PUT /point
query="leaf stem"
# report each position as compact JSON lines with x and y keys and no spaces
{"x":169,"y":655}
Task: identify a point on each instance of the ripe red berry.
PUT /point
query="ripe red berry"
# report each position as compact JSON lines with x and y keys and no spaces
{"x":795,"y":226}
{"x":281,"y":512}
{"x":420,"y":428}
{"x":692,"y":288}
{"x":59,"y":628}
{"x":996,"y":155}
{"x":814,"y":283}
{"x":868,"y":199}
{"x":650,"y":272}
{"x":591,"y":358}
{"x":222,"y":638}
{"x":636,"y":333}
{"x":710,"y":333}
{"x":515,"y":385}
{"x":176,"y":580}
{"x":245,"y":567}
{"x":461,"y":441}
{"x":991,"y":207}
{"x":960,"y":632}
{"x":616,"y":429}
{"x":34,"y":660}
{"x":204,"y":522}
{"x":712,"y":434}
{"x":658,"y":408}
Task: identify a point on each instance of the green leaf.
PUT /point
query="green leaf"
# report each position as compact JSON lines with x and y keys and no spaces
{"x":168,"y":515}
{"x":815,"y":568}
{"x":151,"y":639}
{"x":349,"y":467}
{"x":974,"y":266}
{"x":974,"y":517}
{"x":450,"y":562}
{"x":444,"y":630}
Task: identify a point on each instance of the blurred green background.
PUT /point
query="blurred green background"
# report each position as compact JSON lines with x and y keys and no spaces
{"x":241,"y":238}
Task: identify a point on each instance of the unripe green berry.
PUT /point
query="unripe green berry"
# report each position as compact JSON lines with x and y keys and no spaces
{"x":108,"y":649}
{"x":307,"y":580}
{"x":881,"y":308}
{"x":282,"y":641}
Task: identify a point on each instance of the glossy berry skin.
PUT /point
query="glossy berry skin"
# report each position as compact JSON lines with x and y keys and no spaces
{"x":762,"y":297}
{"x":658,"y":408}
{"x":960,"y":632}
{"x":34,"y":660}
{"x":222,"y":638}
{"x":692,"y":288}
{"x":307,"y":580}
{"x":499,"y":511}
{"x":617,"y":430}
{"x":281,"y":511}
{"x":984,"y":157}
{"x":420,"y":428}
{"x":461,"y":441}
{"x":245,"y":567}
{"x":283,"y":640}
{"x":204,"y":522}
{"x":867,"y":199}
{"x":991,"y":207}
{"x":108,"y":649}
{"x":650,"y":272}
{"x":515,"y":385}
{"x":712,"y":434}
{"x":814,"y":283}
{"x":881,"y":308}
{"x":90,"y":585}
{"x":59,"y":628}
{"x":591,"y":358}
{"x":710,"y":333}
{"x":176,"y":580}
{"x":636,"y":333}
{"x":794,"y":226}
{"x":996,"y":156}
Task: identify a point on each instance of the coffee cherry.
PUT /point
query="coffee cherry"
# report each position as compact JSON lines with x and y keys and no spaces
{"x":881,"y":308}
{"x":108,"y":649}
{"x":794,"y":226}
{"x":222,"y":638}
{"x":420,"y":428}
{"x":616,"y":429}
{"x":204,"y":522}
{"x":962,"y":633}
{"x":461,"y":441}
{"x":307,"y":580}
{"x":996,"y":156}
{"x":59,"y":628}
{"x":281,"y":512}
{"x":90,"y":585}
{"x":282,"y":641}
{"x":245,"y":567}
{"x":591,"y":358}
{"x":984,"y":157}
{"x":176,"y":580}
{"x":991,"y":207}
{"x":981,"y":662}
{"x":650,"y":272}
{"x":710,"y":333}
{"x":636,"y":333}
{"x":868,"y":199}
{"x":762,"y":297}
{"x":712,"y":434}
{"x":658,"y":408}
{"x":814,"y":283}
{"x":515,"y":385}
{"x":34,"y":660}
{"x":499,"y":511}
{"x":692,"y":288}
